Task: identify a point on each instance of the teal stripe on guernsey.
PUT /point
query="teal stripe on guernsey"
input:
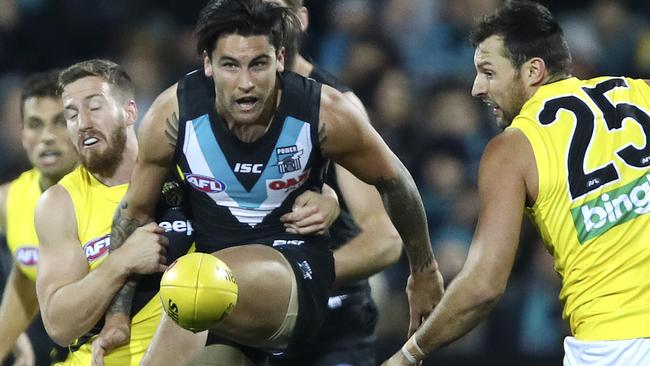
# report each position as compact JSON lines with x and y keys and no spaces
{"x":221,"y":170}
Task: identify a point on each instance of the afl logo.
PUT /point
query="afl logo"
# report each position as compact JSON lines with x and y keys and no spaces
{"x":205,"y":184}
{"x":27,"y":256}
{"x":97,"y":248}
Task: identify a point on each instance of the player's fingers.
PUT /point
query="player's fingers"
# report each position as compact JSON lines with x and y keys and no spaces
{"x":98,"y":354}
{"x":414,"y":324}
{"x":301,"y":200}
{"x":163,"y":240}
{"x":313,"y":219}
{"x":310,"y":229}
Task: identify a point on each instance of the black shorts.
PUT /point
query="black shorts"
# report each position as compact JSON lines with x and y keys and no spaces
{"x":346,"y":337}
{"x":312,"y":262}
{"x":313,"y":265}
{"x":352,"y":352}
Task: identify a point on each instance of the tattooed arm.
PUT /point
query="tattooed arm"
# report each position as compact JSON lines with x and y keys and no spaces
{"x":159,"y":125}
{"x":347,"y":137}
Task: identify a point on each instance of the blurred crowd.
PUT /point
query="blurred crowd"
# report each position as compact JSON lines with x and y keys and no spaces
{"x":410,"y":63}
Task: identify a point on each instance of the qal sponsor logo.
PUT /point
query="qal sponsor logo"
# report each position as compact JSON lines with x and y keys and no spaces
{"x":612,"y":208}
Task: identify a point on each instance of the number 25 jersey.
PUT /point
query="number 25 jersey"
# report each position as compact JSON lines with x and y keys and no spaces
{"x":591,"y":140}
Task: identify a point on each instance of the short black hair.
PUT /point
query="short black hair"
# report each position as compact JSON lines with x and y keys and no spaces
{"x":111,"y":72}
{"x":528,"y":30}
{"x":40,"y":85}
{"x":246,"y":18}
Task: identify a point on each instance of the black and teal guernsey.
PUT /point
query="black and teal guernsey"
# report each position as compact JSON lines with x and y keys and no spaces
{"x":347,"y":334}
{"x":239,"y":190}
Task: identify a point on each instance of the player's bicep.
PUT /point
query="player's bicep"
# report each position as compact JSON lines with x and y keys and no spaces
{"x":157,"y":139}
{"x":502,"y":194}
{"x":61,"y":258}
{"x":346,"y":136}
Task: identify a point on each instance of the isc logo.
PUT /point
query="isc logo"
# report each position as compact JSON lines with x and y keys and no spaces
{"x":96,"y":248}
{"x":27,"y":256}
{"x":205,"y":184}
{"x":248,"y":168}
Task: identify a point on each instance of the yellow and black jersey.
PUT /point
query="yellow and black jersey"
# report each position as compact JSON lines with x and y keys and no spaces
{"x":95,"y":205}
{"x":591,"y":141}
{"x":22,"y":196}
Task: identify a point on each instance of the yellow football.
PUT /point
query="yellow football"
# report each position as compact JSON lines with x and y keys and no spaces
{"x":198,"y":290}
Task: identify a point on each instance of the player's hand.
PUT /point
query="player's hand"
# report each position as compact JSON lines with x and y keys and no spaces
{"x":398,"y":359}
{"x":23,"y":352}
{"x":144,"y":250}
{"x":116,"y":332}
{"x":313,"y":213}
{"x":424,"y":290}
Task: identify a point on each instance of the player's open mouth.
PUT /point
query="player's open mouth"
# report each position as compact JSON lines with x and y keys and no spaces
{"x":90,"y":141}
{"x":246,"y":103}
{"x":495,"y":108}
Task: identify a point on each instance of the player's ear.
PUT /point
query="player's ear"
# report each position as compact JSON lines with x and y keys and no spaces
{"x":303,"y":15}
{"x":534,"y":71}
{"x":207,"y":65}
{"x":281,"y":59}
{"x":131,"y":112}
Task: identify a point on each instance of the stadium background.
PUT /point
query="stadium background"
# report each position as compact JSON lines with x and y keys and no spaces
{"x":410,"y":63}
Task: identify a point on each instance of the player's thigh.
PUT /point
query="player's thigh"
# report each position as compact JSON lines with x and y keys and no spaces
{"x":264,"y":278}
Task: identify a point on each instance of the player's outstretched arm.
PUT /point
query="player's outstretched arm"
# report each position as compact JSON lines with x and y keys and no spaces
{"x":157,"y":141}
{"x":64,"y":283}
{"x":378,"y":245}
{"x":346,"y":136}
{"x":483,"y":279}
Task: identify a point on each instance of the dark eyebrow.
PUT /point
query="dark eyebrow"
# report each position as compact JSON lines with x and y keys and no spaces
{"x":483,"y":64}
{"x":258,"y":58}
{"x":34,"y":119}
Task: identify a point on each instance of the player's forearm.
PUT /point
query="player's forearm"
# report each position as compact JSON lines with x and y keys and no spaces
{"x":73,"y":309}
{"x":370,"y":252}
{"x":127,"y":218}
{"x":404,"y":207}
{"x":18,"y":308}
{"x":467,"y":301}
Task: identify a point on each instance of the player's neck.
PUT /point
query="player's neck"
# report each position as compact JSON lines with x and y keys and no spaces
{"x":301,"y":66}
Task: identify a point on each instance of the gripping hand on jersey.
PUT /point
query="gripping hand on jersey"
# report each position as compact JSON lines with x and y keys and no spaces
{"x":142,"y":253}
{"x":313,"y":213}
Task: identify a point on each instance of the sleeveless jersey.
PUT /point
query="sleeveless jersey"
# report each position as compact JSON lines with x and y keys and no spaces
{"x":591,"y":141}
{"x":344,"y":318}
{"x":22,"y":196}
{"x":239,"y":190}
{"x":95,"y":205}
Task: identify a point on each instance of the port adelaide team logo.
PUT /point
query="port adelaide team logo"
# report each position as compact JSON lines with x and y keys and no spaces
{"x":288,"y":158}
